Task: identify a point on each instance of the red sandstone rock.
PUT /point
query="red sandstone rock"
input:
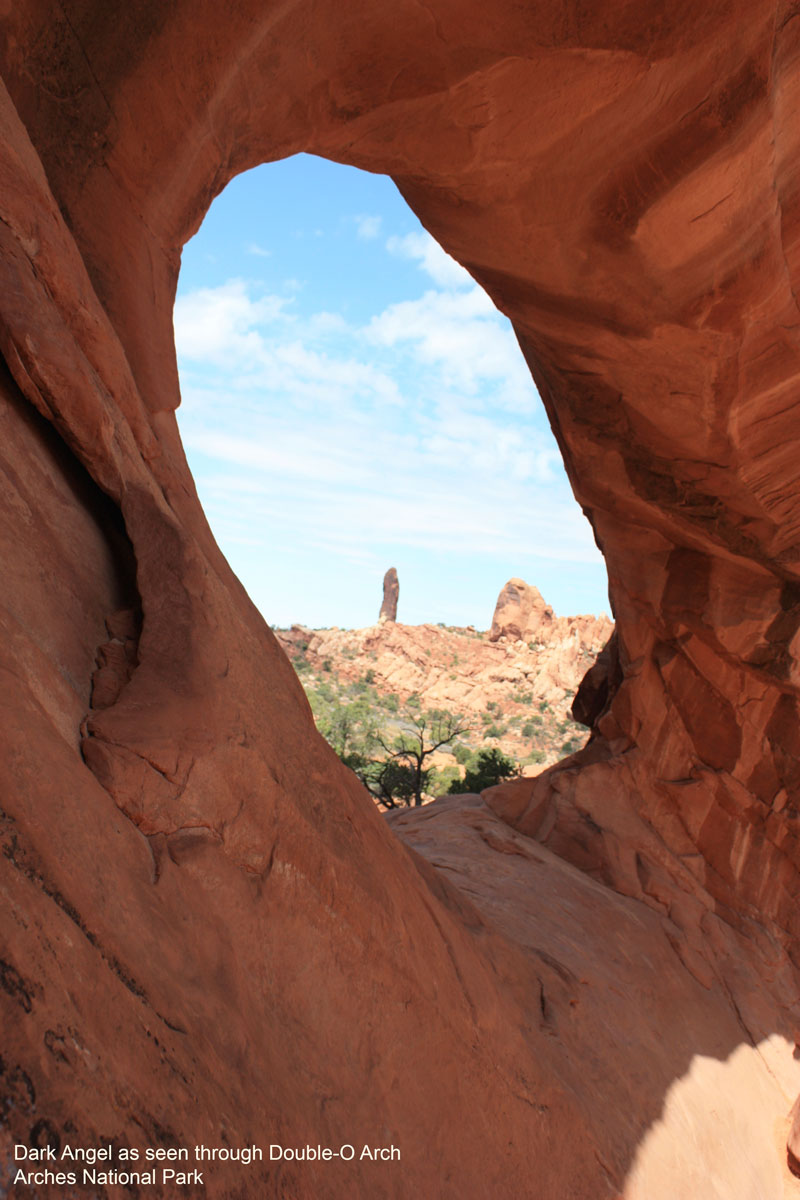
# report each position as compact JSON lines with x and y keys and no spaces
{"x":208,"y":933}
{"x":520,"y":612}
{"x":391,"y":592}
{"x":598,"y":686}
{"x":461,"y":670}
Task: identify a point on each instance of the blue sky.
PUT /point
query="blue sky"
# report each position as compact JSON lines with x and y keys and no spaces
{"x":352,"y":401}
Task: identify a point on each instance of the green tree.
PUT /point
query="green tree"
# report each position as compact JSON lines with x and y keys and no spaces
{"x":349,"y":728}
{"x":488,"y":768}
{"x":427,"y":732}
{"x":390,"y":781}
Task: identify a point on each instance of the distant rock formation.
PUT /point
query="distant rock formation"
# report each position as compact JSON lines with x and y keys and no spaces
{"x":520,"y":612}
{"x":461,"y":671}
{"x":391,"y":591}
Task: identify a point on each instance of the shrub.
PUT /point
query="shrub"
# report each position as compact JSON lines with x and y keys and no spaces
{"x":491,"y":767}
{"x":442,"y":782}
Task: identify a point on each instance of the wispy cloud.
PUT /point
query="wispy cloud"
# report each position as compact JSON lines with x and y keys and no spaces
{"x":436,"y":262}
{"x":419,"y":426}
{"x":258,"y":251}
{"x":368,"y":227}
{"x":214,"y":324}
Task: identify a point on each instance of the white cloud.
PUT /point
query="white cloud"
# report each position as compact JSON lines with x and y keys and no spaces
{"x":221,"y":321}
{"x":265,"y":348}
{"x":346,"y":481}
{"x":258,"y":251}
{"x":443,"y":270}
{"x":462,"y":335}
{"x":420,"y":428}
{"x":313,"y":508}
{"x":368,"y":227}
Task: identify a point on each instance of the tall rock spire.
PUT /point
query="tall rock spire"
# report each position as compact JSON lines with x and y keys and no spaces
{"x":391,"y":590}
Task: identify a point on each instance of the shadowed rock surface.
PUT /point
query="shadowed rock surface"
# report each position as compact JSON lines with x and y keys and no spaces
{"x":598,"y":686}
{"x":582,"y":985}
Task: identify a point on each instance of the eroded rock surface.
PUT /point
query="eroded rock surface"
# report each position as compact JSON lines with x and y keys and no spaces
{"x":521,"y":613}
{"x":463,"y":671}
{"x":391,"y":592}
{"x":208,"y":933}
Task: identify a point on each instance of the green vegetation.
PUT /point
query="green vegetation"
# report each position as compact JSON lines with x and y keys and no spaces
{"x":388,"y":747}
{"x":485,"y":770}
{"x":404,"y":752}
{"x":423,"y":736}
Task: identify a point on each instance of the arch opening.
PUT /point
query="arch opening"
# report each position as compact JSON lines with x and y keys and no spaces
{"x":694,"y":834}
{"x":352,"y":398}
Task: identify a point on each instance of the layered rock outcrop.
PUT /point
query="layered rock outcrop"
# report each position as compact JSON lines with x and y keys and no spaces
{"x":520,"y":613}
{"x":209,"y":934}
{"x":520,"y":691}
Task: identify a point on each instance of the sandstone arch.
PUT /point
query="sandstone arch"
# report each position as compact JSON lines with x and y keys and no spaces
{"x":187,"y":868}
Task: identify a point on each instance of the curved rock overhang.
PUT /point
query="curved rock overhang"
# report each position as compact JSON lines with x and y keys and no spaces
{"x":625,"y":182}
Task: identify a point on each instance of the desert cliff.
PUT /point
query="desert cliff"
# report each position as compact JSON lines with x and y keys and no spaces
{"x":581,"y":984}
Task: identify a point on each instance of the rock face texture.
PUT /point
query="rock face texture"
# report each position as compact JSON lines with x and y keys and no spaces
{"x":520,"y":612}
{"x":458,"y":668}
{"x":391,"y":592}
{"x":599,"y":685}
{"x":462,"y":671}
{"x":208,"y":933}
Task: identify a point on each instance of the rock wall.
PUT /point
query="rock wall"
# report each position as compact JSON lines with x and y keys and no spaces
{"x":210,"y":935}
